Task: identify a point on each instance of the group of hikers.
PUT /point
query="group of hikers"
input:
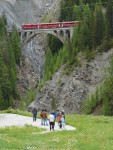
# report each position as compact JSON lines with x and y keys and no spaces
{"x":52,"y":117}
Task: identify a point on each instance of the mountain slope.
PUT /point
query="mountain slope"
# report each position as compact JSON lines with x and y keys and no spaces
{"x":69,"y":91}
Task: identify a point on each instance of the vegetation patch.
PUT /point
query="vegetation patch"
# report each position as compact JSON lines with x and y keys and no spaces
{"x":92,"y":132}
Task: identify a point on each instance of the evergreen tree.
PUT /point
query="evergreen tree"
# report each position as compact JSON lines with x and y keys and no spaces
{"x":9,"y":56}
{"x":13,"y":82}
{"x":6,"y":85}
{"x":62,"y":11}
{"x":12,"y":70}
{"x":98,"y":25}
{"x":66,"y":11}
{"x":2,"y":29}
{"x":15,"y":43}
{"x":109,"y":16}
{"x":54,"y":44}
{"x":48,"y":65}
{"x":4,"y":17}
{"x":11,"y":102}
{"x":2,"y":102}
{"x":77,"y":15}
{"x":70,"y":51}
{"x":1,"y":66}
{"x":12,"y":60}
{"x":86,"y":33}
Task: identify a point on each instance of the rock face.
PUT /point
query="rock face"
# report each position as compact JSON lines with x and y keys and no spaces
{"x":20,"y":12}
{"x":32,"y":64}
{"x":69,"y":92}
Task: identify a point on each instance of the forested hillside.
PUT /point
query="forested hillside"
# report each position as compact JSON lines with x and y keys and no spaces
{"x":94,"y":34}
{"x":95,"y":31}
{"x":10,"y":54}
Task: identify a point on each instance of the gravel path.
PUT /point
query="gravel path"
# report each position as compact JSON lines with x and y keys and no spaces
{"x":19,"y":120}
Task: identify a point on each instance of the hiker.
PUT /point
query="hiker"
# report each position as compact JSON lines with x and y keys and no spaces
{"x":59,"y":120}
{"x":54,"y":114}
{"x":41,"y":117}
{"x":51,"y":121}
{"x":44,"y":117}
{"x":34,"y":111}
{"x":57,"y":113}
{"x":63,"y":113}
{"x":63,"y":121}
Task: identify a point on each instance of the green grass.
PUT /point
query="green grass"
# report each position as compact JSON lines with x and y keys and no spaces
{"x":92,"y":133}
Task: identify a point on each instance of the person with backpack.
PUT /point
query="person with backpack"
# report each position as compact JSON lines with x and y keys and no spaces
{"x":51,"y":121}
{"x":59,"y":120}
{"x":44,"y":117}
{"x":54,"y":114}
{"x":63,"y":122}
{"x":57,"y":113}
{"x":63,"y":113}
{"x":34,"y":111}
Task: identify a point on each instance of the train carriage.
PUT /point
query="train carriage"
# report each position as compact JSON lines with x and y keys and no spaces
{"x":29,"y":26}
{"x":50,"y":25}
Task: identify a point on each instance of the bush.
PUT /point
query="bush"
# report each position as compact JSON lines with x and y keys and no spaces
{"x":89,"y":55}
{"x":89,"y":104}
{"x":105,"y":46}
{"x":40,"y":86}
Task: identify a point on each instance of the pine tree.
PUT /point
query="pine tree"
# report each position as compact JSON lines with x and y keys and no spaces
{"x":12,"y":71}
{"x":15,"y":43}
{"x":4,"y":17}
{"x":62,"y":11}
{"x":1,"y":66}
{"x":12,"y":60}
{"x":11,"y":102}
{"x":99,"y":25}
{"x":48,"y":68}
{"x":109,"y":16}
{"x":2,"y":29}
{"x":76,"y":13}
{"x":6,"y":85}
{"x":13,"y":82}
{"x":85,"y":39}
{"x":2,"y":102}
{"x":54,"y":44}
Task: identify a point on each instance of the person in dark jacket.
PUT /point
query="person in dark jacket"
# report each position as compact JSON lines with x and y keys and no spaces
{"x":34,"y":111}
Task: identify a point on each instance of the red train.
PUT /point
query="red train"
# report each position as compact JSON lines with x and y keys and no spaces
{"x":50,"y":25}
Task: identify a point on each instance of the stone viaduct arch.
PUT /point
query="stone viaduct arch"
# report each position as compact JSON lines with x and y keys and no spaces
{"x":62,"y":34}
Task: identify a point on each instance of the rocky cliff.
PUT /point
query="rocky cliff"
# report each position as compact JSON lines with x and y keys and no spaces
{"x":69,"y":91}
{"x":19,"y":12}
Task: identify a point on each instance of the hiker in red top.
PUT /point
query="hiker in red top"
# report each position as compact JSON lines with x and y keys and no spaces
{"x":44,"y":117}
{"x":59,"y":120}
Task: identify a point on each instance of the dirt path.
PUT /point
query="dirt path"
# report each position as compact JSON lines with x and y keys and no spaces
{"x":19,"y":120}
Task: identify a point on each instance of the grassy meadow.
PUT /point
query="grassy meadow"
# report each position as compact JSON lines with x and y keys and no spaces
{"x":92,"y":133}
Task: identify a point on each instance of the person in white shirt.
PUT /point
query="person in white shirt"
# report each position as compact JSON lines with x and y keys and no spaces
{"x":51,"y":121}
